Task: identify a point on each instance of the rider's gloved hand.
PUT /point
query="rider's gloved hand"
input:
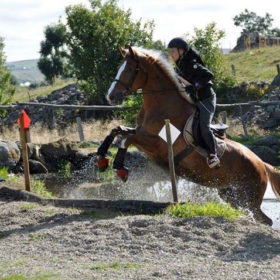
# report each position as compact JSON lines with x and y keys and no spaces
{"x":191,"y":91}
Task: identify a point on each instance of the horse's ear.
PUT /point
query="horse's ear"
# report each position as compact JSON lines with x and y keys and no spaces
{"x":122,"y":51}
{"x":132,"y":52}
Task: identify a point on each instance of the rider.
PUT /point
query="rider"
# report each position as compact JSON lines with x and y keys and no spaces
{"x":190,"y":67}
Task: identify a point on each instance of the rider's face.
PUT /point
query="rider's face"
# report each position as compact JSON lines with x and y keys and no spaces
{"x":174,"y":53}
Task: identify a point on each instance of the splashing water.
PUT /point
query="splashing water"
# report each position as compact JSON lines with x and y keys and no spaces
{"x":147,"y":181}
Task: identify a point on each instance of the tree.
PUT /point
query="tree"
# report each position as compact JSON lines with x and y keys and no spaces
{"x":93,"y":39}
{"x":207,"y":43}
{"x":250,"y":22}
{"x":6,"y":89}
{"x":53,"y":61}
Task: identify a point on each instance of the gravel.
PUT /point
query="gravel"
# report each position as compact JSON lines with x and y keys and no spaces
{"x":60,"y":243}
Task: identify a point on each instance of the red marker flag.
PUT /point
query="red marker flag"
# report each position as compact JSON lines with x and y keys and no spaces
{"x":26,"y":120}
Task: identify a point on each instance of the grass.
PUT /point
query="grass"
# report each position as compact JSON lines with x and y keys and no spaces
{"x":209,"y":209}
{"x":37,"y":236}
{"x":4,"y":173}
{"x":24,"y":94}
{"x":28,"y":206}
{"x":256,"y":64}
{"x":39,"y":188}
{"x":46,"y":276}
{"x":252,"y":138}
{"x":64,"y":169}
{"x":115,"y":265}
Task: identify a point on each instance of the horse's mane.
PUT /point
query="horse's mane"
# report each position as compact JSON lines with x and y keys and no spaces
{"x":162,"y":62}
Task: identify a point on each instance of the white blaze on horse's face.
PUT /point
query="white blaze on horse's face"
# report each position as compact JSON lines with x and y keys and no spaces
{"x":112,"y":87}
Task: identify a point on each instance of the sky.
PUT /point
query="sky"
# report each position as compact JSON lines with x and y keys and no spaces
{"x":22,"y":22}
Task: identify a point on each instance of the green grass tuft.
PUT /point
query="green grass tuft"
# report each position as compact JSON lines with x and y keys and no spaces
{"x":14,"y":277}
{"x":4,"y":173}
{"x":39,"y":188}
{"x":28,"y":206}
{"x":115,"y":265}
{"x":46,"y":276}
{"x":209,"y":209}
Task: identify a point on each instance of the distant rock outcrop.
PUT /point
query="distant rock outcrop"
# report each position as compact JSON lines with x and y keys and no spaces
{"x":255,"y":40}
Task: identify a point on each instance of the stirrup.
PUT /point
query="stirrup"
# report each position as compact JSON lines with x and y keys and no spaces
{"x":213,"y":162}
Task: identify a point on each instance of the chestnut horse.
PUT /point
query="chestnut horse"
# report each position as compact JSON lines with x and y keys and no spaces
{"x":242,"y":178}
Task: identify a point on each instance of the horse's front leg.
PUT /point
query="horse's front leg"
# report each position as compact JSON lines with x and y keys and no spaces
{"x":103,"y":162}
{"x":147,"y":142}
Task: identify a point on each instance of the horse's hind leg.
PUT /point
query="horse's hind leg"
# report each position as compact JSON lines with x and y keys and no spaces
{"x":254,"y":201}
{"x":250,"y":196}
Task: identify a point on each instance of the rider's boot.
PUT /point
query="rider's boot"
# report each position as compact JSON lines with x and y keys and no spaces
{"x":213,"y":161}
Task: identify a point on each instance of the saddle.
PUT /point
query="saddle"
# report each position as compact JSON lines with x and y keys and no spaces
{"x":193,"y":137}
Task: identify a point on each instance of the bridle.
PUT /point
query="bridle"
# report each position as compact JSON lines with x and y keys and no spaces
{"x":128,"y":86}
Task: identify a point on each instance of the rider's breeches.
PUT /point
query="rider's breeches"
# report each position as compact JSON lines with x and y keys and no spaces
{"x":207,"y":109}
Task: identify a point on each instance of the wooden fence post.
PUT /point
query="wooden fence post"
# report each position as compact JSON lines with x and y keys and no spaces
{"x":224,"y":117}
{"x":171,"y":161}
{"x":28,"y":137}
{"x":80,"y":129}
{"x":24,"y":154}
{"x":233,"y":69}
{"x":243,"y":123}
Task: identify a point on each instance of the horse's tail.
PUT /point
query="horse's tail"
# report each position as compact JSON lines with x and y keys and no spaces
{"x":274,"y":178}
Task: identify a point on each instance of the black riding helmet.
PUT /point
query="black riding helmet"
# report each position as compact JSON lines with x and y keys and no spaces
{"x":178,"y":43}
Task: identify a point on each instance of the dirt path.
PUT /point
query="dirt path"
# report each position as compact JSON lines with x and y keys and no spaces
{"x":59,"y":243}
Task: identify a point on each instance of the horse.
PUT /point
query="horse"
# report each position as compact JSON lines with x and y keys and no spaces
{"x":242,"y":177}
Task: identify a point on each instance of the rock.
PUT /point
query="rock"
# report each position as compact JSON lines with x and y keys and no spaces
{"x":276,"y":81}
{"x":276,"y":115}
{"x":267,"y":154}
{"x":59,"y":150}
{"x":37,"y":167}
{"x":268,"y":141}
{"x":9,"y":153}
{"x":271,"y":123}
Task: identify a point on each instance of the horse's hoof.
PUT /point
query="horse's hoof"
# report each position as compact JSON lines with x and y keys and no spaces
{"x":123,"y":174}
{"x":102,"y":163}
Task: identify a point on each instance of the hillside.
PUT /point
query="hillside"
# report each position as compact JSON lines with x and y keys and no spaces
{"x":256,"y":64}
{"x":253,"y":65}
{"x":26,"y":71}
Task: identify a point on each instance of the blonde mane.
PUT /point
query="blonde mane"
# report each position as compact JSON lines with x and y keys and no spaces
{"x":162,"y":63}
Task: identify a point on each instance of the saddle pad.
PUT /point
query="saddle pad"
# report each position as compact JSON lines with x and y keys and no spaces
{"x":188,"y":136}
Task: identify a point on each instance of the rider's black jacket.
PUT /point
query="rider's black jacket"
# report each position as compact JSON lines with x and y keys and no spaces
{"x":192,"y":69}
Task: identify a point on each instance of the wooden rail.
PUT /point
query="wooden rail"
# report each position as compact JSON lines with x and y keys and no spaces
{"x":110,"y":108}
{"x":124,"y":206}
{"x":63,"y":106}
{"x":250,"y":103}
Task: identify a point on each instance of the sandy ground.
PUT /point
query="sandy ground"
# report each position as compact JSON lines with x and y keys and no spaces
{"x":58,"y":243}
